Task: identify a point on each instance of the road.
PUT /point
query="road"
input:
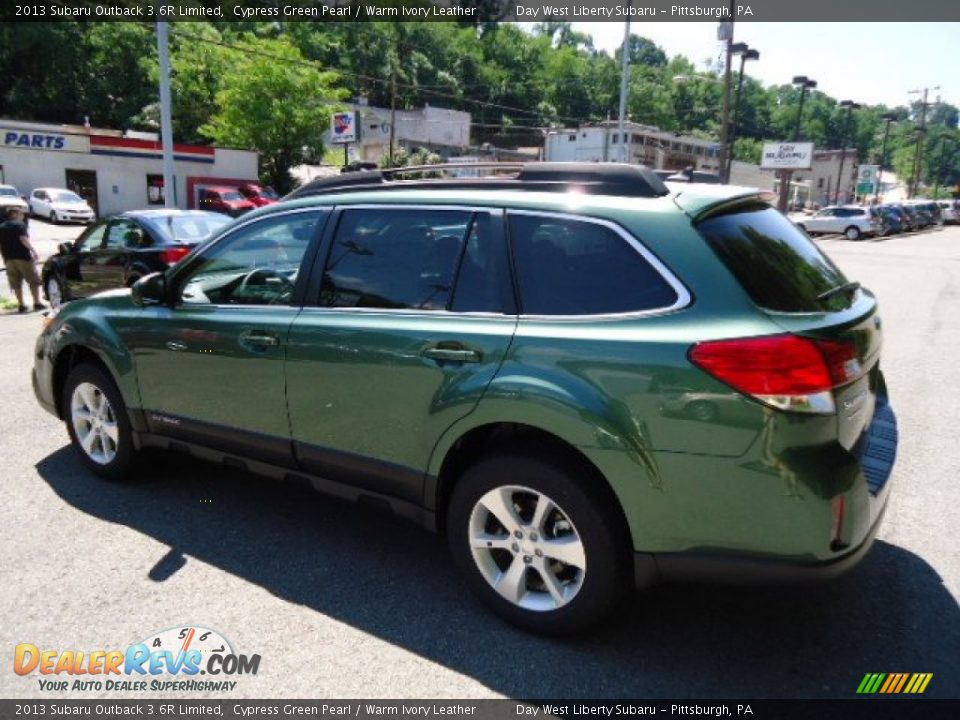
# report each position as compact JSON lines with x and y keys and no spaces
{"x":341,"y":601}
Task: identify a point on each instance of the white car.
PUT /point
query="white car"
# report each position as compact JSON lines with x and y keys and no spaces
{"x":852,"y":221}
{"x":60,"y":205}
{"x":949,"y":211}
{"x":9,"y":198}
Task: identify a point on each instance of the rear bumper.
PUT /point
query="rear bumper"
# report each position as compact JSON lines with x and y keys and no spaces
{"x":650,"y":569}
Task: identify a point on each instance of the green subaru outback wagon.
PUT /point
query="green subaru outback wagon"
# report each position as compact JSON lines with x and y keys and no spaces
{"x":585,"y":378}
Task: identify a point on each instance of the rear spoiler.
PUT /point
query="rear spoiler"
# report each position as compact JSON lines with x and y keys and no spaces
{"x":700,"y":204}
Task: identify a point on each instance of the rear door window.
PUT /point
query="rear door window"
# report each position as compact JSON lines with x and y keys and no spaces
{"x":575,"y":267}
{"x":394,"y":258}
{"x":775,"y":263}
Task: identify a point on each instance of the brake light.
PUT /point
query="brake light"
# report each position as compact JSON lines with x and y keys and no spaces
{"x":173,"y":255}
{"x":783,"y":371}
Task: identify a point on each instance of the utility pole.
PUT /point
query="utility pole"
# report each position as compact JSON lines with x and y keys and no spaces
{"x":804,"y":83}
{"x":166,"y":124}
{"x":623,"y":155}
{"x":725,"y":120}
{"x":850,"y":105}
{"x":943,"y":152}
{"x":921,"y":136}
{"x":393,"y":107}
{"x":887,"y":118}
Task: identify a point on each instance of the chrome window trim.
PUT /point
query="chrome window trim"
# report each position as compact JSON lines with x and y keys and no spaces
{"x":684,"y":298}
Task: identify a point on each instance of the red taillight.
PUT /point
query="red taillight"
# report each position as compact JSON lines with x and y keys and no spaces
{"x":173,"y":255}
{"x":785,"y":371}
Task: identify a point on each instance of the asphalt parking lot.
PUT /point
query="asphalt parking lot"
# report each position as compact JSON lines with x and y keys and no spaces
{"x":342,"y":601}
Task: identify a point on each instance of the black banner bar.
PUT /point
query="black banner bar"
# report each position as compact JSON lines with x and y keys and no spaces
{"x":865,"y":709}
{"x":484,"y":11}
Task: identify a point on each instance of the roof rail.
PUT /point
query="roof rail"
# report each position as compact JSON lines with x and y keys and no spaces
{"x":586,"y":177}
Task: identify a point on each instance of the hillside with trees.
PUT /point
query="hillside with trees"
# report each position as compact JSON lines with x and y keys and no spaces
{"x":270,"y":86}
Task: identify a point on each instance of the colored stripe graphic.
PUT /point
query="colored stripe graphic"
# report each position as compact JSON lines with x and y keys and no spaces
{"x":894,"y":683}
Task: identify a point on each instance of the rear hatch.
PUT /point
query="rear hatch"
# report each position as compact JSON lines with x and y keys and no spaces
{"x":802,"y":291}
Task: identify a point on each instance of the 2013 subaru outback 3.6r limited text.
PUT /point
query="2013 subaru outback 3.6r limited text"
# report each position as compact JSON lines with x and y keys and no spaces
{"x":582,"y":376}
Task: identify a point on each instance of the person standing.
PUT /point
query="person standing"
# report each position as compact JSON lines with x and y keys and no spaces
{"x":19,"y":257}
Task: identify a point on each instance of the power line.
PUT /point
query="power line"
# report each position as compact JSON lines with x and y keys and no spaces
{"x":381,"y":81}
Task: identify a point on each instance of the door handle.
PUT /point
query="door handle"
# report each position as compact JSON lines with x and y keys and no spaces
{"x":457,"y":354}
{"x":259,"y":339}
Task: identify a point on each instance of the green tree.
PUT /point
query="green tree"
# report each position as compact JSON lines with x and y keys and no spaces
{"x":277,"y":105}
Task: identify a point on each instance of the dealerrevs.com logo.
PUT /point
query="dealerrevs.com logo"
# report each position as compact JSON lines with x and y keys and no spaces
{"x":170,"y":660}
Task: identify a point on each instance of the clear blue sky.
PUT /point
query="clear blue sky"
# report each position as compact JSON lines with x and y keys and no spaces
{"x":866,"y":62}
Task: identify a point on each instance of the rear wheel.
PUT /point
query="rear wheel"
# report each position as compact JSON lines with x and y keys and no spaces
{"x":97,"y":422}
{"x":541,"y":548}
{"x":852,"y":233}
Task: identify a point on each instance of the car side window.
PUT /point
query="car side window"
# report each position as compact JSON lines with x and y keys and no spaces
{"x":92,"y":238}
{"x":574,"y":267}
{"x":478,"y":286}
{"x":124,"y":233}
{"x":394,"y":258}
{"x":257,"y":264}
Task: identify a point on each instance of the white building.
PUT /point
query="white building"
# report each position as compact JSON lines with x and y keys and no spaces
{"x":113,"y":171}
{"x":818,"y":185}
{"x":644,"y":145}
{"x":446,"y":132}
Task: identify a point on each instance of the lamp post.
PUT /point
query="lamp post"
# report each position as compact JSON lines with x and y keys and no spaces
{"x":888,"y":118}
{"x":746,"y":53}
{"x":944,"y":139}
{"x":850,"y":105}
{"x":804,"y":83}
{"x":921,"y":134}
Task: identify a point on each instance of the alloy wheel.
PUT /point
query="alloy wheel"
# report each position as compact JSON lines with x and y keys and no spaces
{"x":54,"y":293}
{"x":94,"y":423}
{"x":527,"y":548}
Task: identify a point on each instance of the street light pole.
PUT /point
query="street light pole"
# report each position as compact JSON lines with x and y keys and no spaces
{"x":804,"y":83}
{"x":745,"y":53}
{"x":166,"y":124}
{"x":622,"y":151}
{"x":921,"y":134}
{"x":850,"y":105}
{"x":945,"y":138}
{"x":725,"y":113}
{"x":888,"y":118}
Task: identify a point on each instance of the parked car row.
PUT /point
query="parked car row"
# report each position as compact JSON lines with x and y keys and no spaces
{"x":857,"y":221}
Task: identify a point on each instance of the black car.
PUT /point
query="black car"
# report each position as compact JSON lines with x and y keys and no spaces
{"x":890,"y":219}
{"x":117,"y":251}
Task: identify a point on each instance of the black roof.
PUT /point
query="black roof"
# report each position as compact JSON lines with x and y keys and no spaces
{"x":593,"y":178}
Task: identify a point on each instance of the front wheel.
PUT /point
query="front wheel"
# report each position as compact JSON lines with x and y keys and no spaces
{"x":852,"y":233}
{"x":54,"y":292}
{"x":53,"y":217}
{"x":97,"y":422}
{"x":543,"y":549}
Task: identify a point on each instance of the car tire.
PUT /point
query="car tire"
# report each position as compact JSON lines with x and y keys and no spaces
{"x":101,"y":434}
{"x":54,"y":291}
{"x":852,"y":233}
{"x":507,"y":554}
{"x":53,"y":217}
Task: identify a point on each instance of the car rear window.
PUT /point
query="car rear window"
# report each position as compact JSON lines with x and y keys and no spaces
{"x":777,"y":265}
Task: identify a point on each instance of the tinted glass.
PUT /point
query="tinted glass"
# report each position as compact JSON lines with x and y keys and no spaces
{"x":93,"y":238}
{"x":257,"y":265}
{"x":189,"y":229}
{"x":390,"y":258}
{"x":125,"y":233}
{"x":775,"y":263}
{"x":8,"y":192}
{"x":572,"y":267}
{"x":479,"y":281}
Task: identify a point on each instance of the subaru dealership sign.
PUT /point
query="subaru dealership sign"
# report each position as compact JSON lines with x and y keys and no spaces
{"x":787,"y":156}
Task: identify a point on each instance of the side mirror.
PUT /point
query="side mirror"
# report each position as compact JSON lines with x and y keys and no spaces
{"x":149,"y":290}
{"x":65,"y":248}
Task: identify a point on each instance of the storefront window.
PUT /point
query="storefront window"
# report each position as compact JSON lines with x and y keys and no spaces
{"x":155,"y":195}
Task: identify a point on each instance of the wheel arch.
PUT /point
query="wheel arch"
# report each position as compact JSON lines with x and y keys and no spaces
{"x":505,"y":437}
